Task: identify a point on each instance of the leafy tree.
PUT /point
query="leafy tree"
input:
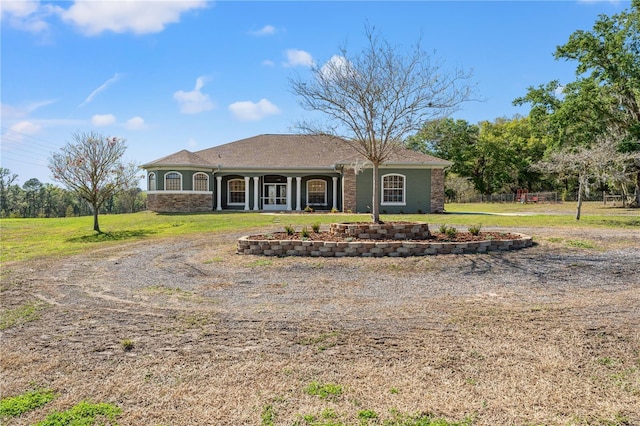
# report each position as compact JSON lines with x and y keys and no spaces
{"x":6,"y":181}
{"x":604,"y":100}
{"x":493,"y":155}
{"x":32,"y":189}
{"x":372,"y":100}
{"x":91,"y":166}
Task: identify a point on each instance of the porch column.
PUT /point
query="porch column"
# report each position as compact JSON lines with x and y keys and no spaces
{"x":218,"y":192}
{"x":256,"y":193}
{"x":335,"y":193}
{"x":246,"y":192}
{"x":298,"y":193}
{"x":288,"y":193}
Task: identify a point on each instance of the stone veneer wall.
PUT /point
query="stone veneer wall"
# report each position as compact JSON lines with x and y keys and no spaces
{"x":175,"y":202}
{"x":437,"y":190}
{"x":349,"y":190}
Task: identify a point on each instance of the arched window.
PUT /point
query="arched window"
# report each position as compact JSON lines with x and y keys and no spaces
{"x":151,"y":185}
{"x":393,"y":189}
{"x":173,"y":181}
{"x":235,"y":191}
{"x":200,"y":182}
{"x":316,"y":192}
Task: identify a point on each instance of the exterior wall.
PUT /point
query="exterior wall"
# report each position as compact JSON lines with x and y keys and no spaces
{"x":437,"y":191}
{"x":179,"y":202}
{"x":187,"y":178}
{"x":417,"y":196}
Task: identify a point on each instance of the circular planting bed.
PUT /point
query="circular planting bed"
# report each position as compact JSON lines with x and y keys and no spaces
{"x":397,"y":239}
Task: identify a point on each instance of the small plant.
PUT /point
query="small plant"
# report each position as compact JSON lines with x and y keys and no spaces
{"x":394,"y":391}
{"x":316,"y":227}
{"x":366,"y":415}
{"x":324,"y":391}
{"x":289,"y":230}
{"x":17,"y":405}
{"x":127,"y":345}
{"x":304,"y":233}
{"x":83,"y":413}
{"x":443,"y":228}
{"x":475,"y":230}
{"x":334,"y":210}
{"x":268,"y":415}
{"x":451,"y":232}
{"x":308,"y":209}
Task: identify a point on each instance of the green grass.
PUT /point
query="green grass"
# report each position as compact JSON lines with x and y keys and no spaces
{"x":20,"y":315}
{"x":24,"y":239}
{"x":324,"y":391}
{"x":17,"y":405}
{"x":84,"y":414}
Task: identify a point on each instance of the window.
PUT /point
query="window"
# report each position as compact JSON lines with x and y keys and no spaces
{"x":200,"y":182}
{"x":152,"y":182}
{"x":393,"y":189}
{"x":317,"y":192}
{"x":173,"y":181}
{"x":236,"y":191}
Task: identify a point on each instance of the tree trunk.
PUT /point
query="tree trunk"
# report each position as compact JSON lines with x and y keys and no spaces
{"x":638,"y":190}
{"x":96,"y":226}
{"x":579,"y":199}
{"x":375,"y":208}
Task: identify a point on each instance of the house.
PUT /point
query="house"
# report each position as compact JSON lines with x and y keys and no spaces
{"x":289,"y":173}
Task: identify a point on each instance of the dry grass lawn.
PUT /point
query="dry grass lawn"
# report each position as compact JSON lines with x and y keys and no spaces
{"x":185,"y":332}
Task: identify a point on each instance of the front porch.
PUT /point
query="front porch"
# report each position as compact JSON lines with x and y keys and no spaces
{"x":277,"y":193}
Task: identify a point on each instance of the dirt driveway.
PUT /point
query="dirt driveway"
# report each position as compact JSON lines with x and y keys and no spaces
{"x":546,"y":335}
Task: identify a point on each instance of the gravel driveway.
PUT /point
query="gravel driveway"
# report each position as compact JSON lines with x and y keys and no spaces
{"x":519,"y":337}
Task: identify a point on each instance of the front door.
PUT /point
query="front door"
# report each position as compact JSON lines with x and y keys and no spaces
{"x":274,"y":196}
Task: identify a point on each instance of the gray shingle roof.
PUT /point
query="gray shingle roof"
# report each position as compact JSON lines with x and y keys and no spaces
{"x":284,"y":152}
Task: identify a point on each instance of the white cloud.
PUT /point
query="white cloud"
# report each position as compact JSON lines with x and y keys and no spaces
{"x":251,"y":111}
{"x":264,"y":31}
{"x":135,"y":123}
{"x":103,"y":119}
{"x":192,"y":143}
{"x":195,"y":101}
{"x":136,"y":16}
{"x":19,"y":130}
{"x":26,"y":15}
{"x":104,"y":85}
{"x":268,"y":63}
{"x":16,"y":112}
{"x":337,"y":66}
{"x":296,"y":57}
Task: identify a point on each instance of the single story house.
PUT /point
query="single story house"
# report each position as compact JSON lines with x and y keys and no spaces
{"x":290,"y":173}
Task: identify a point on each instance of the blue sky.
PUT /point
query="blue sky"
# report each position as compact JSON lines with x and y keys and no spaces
{"x":172,"y":75}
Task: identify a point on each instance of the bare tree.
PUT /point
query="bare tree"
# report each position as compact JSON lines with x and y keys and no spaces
{"x":599,"y":164}
{"x":372,"y":100}
{"x":92,"y":167}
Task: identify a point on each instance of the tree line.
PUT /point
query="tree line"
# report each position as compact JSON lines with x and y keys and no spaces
{"x":36,"y":199}
{"x":577,"y":136}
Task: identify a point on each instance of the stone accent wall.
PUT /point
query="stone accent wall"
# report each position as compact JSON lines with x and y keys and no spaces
{"x":380,"y":231}
{"x":349,"y":190}
{"x":373,"y":248}
{"x":437,"y":190}
{"x":183,"y":202}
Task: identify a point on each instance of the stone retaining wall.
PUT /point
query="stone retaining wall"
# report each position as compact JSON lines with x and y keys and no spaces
{"x":374,"y":248}
{"x":381,"y":231}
